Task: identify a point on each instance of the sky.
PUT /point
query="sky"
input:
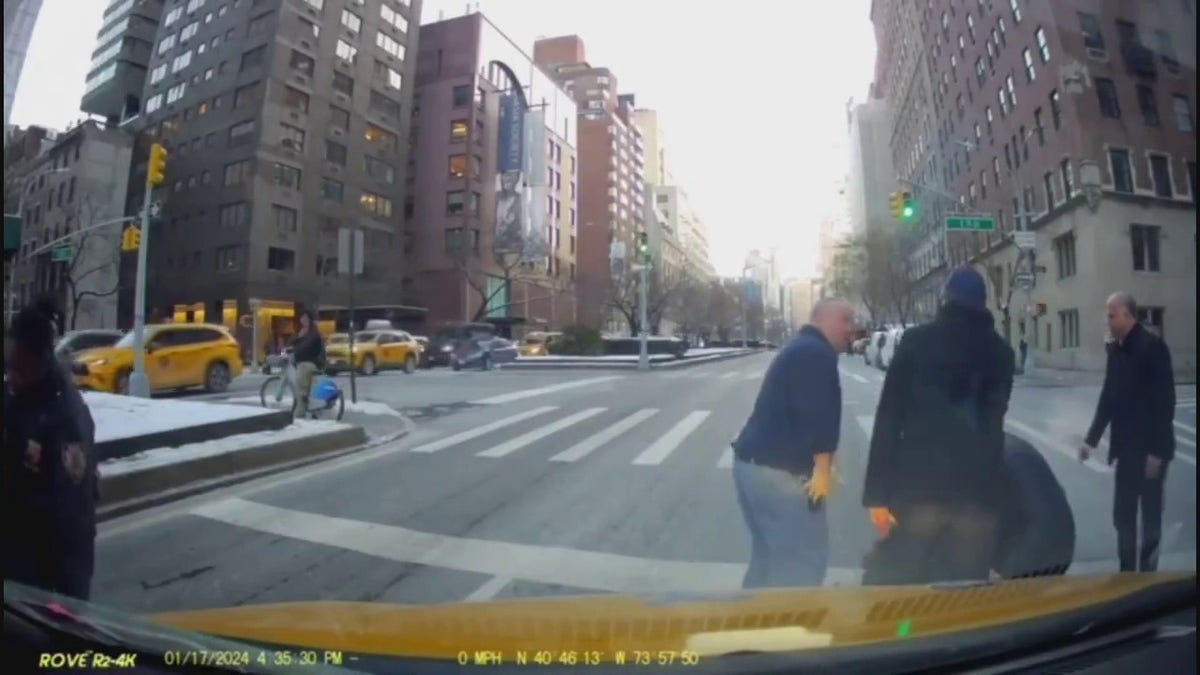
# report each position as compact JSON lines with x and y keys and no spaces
{"x":751,"y":95}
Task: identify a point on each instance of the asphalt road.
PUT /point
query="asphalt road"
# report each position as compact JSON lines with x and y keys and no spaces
{"x":554,"y":483}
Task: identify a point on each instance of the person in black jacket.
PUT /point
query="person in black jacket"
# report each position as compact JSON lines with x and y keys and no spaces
{"x":1138,"y":401}
{"x":1037,"y":533}
{"x":937,"y":450}
{"x":308,"y":350}
{"x":50,"y":476}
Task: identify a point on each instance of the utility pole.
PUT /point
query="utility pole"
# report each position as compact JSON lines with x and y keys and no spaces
{"x":643,"y":252}
{"x":139,"y":384}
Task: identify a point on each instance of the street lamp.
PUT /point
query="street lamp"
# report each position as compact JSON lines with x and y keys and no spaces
{"x":20,"y":214}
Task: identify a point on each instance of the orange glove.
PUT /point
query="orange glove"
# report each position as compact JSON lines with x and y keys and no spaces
{"x":821,"y":482}
{"x":882,"y":519}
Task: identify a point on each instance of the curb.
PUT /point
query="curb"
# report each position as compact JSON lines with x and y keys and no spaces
{"x":667,"y":364}
{"x":268,"y":420}
{"x":126,"y":493}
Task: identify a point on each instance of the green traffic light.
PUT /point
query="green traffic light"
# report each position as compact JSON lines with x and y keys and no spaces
{"x":908,"y":212}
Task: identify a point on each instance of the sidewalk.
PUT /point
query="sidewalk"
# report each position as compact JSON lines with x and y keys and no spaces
{"x":1054,"y":377}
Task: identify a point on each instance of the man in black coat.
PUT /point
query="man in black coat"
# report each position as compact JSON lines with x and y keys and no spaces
{"x":1037,"y":534}
{"x":1138,"y":401}
{"x":50,"y":475}
{"x":936,"y":461}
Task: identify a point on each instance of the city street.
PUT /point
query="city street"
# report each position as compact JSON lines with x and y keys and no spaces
{"x":561,"y":482}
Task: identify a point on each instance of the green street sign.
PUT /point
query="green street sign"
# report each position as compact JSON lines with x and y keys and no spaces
{"x":61,"y":253}
{"x":12,"y":233}
{"x":971,"y":223}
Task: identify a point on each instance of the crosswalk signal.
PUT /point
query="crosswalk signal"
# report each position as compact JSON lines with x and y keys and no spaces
{"x":131,"y":239}
{"x":156,"y":172}
{"x":643,"y":247}
{"x":896,"y":205}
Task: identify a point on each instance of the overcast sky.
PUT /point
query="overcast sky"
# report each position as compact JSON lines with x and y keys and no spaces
{"x":752,"y":96}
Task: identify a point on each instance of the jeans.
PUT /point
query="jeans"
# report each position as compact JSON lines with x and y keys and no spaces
{"x":789,"y":538}
{"x":1133,"y":489}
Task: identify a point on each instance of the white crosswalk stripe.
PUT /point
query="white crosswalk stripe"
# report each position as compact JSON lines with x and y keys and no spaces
{"x":465,"y":436}
{"x":726,"y":461}
{"x":587,"y":445}
{"x":538,"y":434}
{"x":666,"y":444}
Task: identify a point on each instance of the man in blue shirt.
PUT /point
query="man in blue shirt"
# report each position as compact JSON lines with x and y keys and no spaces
{"x":785,"y":453}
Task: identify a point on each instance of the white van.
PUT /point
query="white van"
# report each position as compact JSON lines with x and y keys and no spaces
{"x":886,"y":354}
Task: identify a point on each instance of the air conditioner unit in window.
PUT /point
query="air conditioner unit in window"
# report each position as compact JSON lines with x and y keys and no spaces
{"x":294,"y":115}
{"x":304,"y":43}
{"x":1097,"y":54}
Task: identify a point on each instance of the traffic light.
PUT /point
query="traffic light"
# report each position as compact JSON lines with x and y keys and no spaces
{"x":643,"y":247}
{"x":156,"y":172}
{"x":908,"y":207}
{"x":896,"y":205}
{"x":131,"y":238}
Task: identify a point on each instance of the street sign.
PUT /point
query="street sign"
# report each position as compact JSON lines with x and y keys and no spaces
{"x":345,"y":255}
{"x":1026,"y":241}
{"x":961,"y":223}
{"x":155,"y":209}
{"x":1025,"y":280}
{"x":61,"y":253}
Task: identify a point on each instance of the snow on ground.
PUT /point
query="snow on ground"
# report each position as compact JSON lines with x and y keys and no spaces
{"x":221,"y":446}
{"x":361,"y":407}
{"x":128,"y":416}
{"x":617,"y":358}
{"x":712,"y":351}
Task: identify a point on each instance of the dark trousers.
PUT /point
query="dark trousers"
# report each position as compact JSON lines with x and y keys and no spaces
{"x":934,"y":543}
{"x":1134,"y":490}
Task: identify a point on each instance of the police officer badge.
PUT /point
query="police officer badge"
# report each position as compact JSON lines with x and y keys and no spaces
{"x":74,"y":461}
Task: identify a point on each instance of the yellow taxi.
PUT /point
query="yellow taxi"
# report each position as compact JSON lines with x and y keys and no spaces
{"x":537,"y":343}
{"x":178,"y":356}
{"x":374,"y":350}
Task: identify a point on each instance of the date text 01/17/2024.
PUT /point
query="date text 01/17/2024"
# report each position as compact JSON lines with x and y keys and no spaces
{"x":546,"y":657}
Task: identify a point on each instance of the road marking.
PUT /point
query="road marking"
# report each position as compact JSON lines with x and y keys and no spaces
{"x":582,"y":448}
{"x":752,"y":376}
{"x":1185,"y":427}
{"x":529,"y":393}
{"x":867,"y":424}
{"x":666,"y":444}
{"x":488,"y":590}
{"x":854,"y":376}
{"x":523,"y":440}
{"x":726,"y":376}
{"x":726,"y":461}
{"x":448,"y":441}
{"x":1041,"y":440}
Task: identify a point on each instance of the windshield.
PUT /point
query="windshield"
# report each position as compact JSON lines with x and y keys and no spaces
{"x":126,"y":341}
{"x":722,"y":300}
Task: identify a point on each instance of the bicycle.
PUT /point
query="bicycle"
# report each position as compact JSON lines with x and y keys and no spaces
{"x":325,"y":391}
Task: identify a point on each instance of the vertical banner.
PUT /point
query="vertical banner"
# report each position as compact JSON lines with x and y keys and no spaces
{"x":536,"y":247}
{"x":510,"y":183}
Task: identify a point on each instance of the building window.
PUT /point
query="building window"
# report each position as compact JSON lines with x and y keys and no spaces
{"x":462,"y":95}
{"x":286,"y":176}
{"x":1148,"y":105}
{"x":166,"y":45}
{"x":1048,"y":184}
{"x":302,"y":62}
{"x":1122,"y":172}
{"x":383,"y":140}
{"x":1012,"y":90}
{"x":332,"y":190}
{"x":175,"y":93}
{"x":1043,"y":45}
{"x":375,"y":204}
{"x":351,"y":21}
{"x":390,"y":76}
{"x":379,"y":169}
{"x":1160,"y":171}
{"x":153,"y":103}
{"x":1106,"y":92}
{"x":338,"y":118}
{"x":291,"y":137}
{"x":295,"y":99}
{"x":1064,"y":254}
{"x":384,"y":104}
{"x":1144,"y":243}
{"x":284,"y":218}
{"x":392,"y":17}
{"x":258,"y":25}
{"x":309,"y":26}
{"x":389,"y":45}
{"x":343,"y":84}
{"x":237,"y":172}
{"x":281,"y":259}
{"x":228,"y":258}
{"x":458,"y":166}
{"x":335,"y":153}
{"x":1002,"y":97}
{"x":248,"y":95}
{"x":1030,"y":75}
{"x":253,"y":58}
{"x":1055,"y":109}
{"x":158,"y":73}
{"x":1040,"y":127}
{"x":315,"y":4}
{"x":474,"y":203}
{"x":455,"y":202}
{"x":241,"y":133}
{"x":1068,"y":328}
{"x":1093,"y":39}
{"x":458,"y":130}
{"x":1183,"y":113}
{"x":233,"y":215}
{"x":346,"y":51}
{"x":1152,"y":319}
{"x":1064,"y":168}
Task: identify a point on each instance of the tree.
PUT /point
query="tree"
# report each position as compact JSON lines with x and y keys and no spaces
{"x":92,"y":271}
{"x":1002,"y":293}
{"x":874,"y":269}
{"x":660,"y":295}
{"x":507,"y":268}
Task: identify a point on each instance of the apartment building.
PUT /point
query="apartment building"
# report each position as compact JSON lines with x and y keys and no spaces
{"x":611,"y":178}
{"x":125,"y":42}
{"x":20,"y":16}
{"x":1073,"y":120}
{"x":286,"y":122}
{"x":489,"y":123}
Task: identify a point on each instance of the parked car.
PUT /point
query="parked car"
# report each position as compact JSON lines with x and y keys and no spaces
{"x":484,"y":353}
{"x":78,"y":341}
{"x":889,"y":347}
{"x":538,"y":343}
{"x":871,"y":353}
{"x":374,"y":350}
{"x":443,"y":345}
{"x":178,"y":356}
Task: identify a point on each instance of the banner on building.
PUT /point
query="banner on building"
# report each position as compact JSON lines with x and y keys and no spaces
{"x":536,"y":239}
{"x":511,"y":211}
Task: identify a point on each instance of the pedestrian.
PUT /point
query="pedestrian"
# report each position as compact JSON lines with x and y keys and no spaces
{"x":784,"y":453}
{"x":308,"y":351}
{"x":1037,"y":533}
{"x":50,"y":476}
{"x":936,"y":457}
{"x":1138,"y":401}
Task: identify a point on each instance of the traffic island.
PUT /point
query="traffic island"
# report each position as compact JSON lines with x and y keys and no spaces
{"x":626,"y":362}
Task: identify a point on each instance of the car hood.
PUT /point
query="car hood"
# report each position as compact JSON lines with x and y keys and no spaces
{"x":109,"y":354}
{"x":706,"y":624}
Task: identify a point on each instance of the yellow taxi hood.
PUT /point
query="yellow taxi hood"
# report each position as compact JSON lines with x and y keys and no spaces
{"x":708,"y":624}
{"x":108,"y":354}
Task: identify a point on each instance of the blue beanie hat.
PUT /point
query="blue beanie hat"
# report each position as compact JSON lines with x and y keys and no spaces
{"x":966,"y":287}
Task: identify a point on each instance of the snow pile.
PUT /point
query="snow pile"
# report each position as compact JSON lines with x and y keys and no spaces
{"x":119,"y":417}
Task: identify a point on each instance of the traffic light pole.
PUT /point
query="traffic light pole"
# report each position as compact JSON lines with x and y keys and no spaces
{"x":643,"y":330}
{"x":139,"y":384}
